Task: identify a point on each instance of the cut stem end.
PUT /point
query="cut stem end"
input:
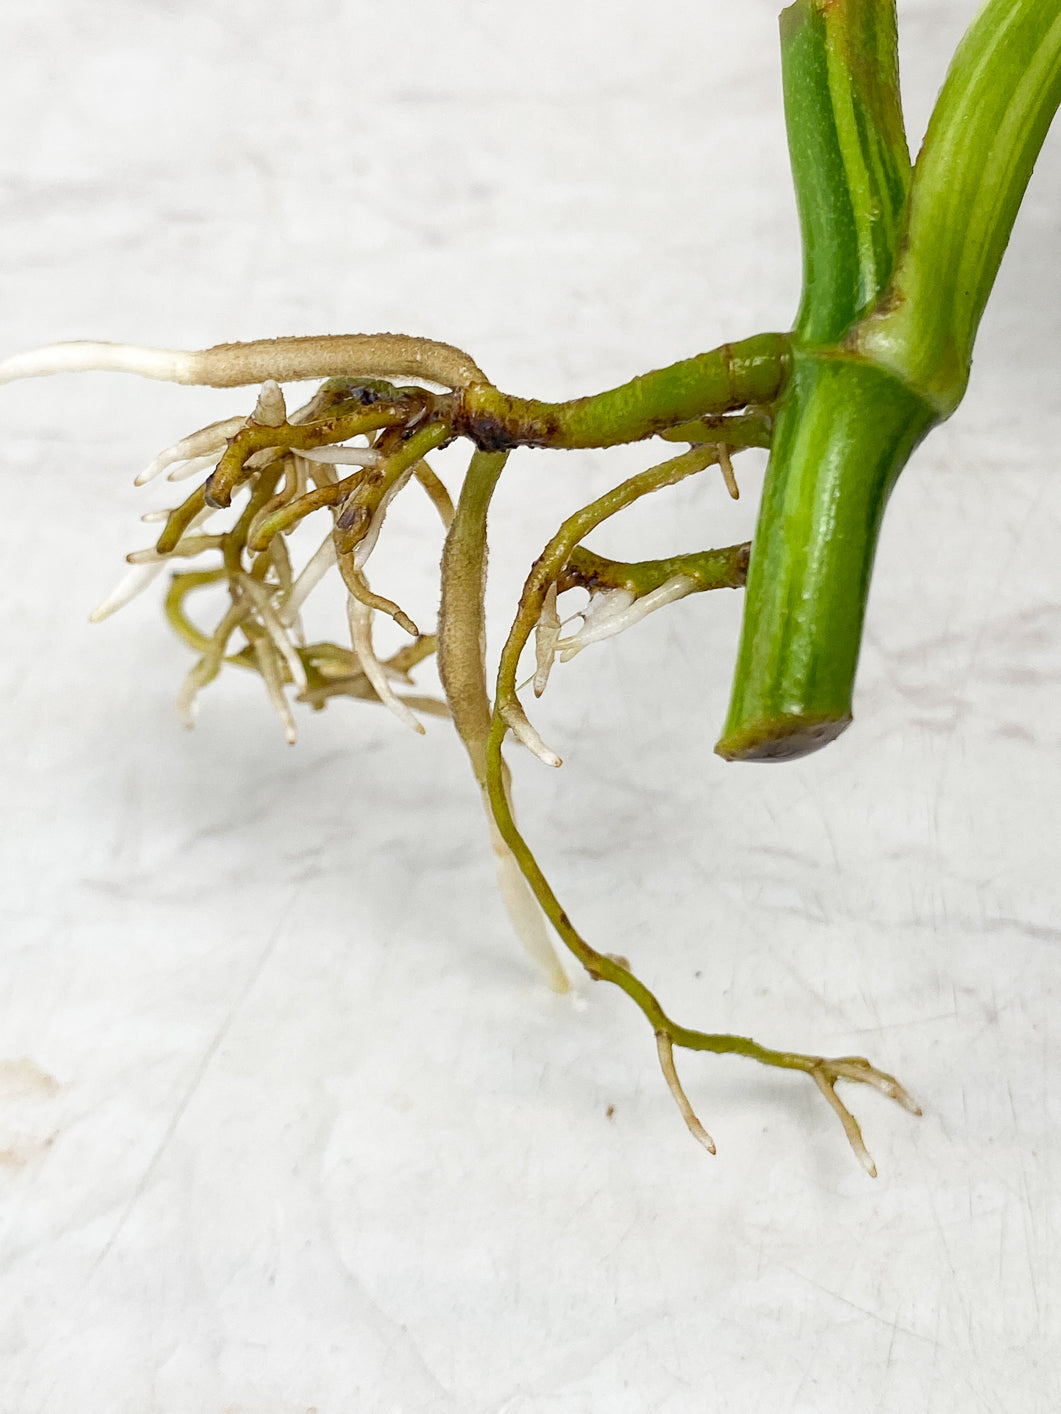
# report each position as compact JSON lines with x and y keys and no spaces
{"x":781,"y":738}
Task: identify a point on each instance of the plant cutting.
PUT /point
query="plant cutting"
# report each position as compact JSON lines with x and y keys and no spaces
{"x":898,"y":262}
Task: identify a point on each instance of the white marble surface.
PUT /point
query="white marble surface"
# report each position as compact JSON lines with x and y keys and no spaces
{"x":286,"y":1121}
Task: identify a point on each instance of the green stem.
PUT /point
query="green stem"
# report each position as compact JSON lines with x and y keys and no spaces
{"x":730,"y":377}
{"x":840,"y":75}
{"x":709,"y":569}
{"x":844,"y":434}
{"x":843,"y":429}
{"x":753,"y":428}
{"x":866,"y":387}
{"x":993,"y":113}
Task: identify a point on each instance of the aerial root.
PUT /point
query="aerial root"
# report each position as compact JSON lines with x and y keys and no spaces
{"x":360,"y":619}
{"x":131,"y":584}
{"x":524,"y":912}
{"x":726,"y":467}
{"x":279,"y":520}
{"x":436,"y":492}
{"x":859,"y":1069}
{"x":851,"y":1125}
{"x":192,"y":511}
{"x":318,"y":565}
{"x":358,"y":587}
{"x":198,"y":677}
{"x":270,"y":410}
{"x":148,"y":564}
{"x":209,"y":665}
{"x":303,"y":453}
{"x":526,"y":733}
{"x":187,"y":547}
{"x":368,"y":499}
{"x":362,"y":412}
{"x":612,"y":611}
{"x":825,"y":1074}
{"x":274,"y":627}
{"x":184,"y":471}
{"x":665,"y":1047}
{"x":288,"y":360}
{"x":546,"y":638}
{"x":291,"y":465}
{"x":269,"y":665}
{"x":823,"y":1071}
{"x":207,"y":441}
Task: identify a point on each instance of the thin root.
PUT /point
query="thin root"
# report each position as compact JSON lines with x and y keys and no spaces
{"x":526,"y":733}
{"x":825,"y":1074}
{"x":825,"y":1084}
{"x":546,"y":638}
{"x":726,"y":467}
{"x":360,"y":619}
{"x":665,"y":1048}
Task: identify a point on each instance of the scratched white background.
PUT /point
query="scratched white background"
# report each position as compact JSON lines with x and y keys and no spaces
{"x":287,"y":1123}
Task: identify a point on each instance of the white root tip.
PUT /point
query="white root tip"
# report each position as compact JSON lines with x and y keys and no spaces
{"x":340,"y":456}
{"x":277,"y":631}
{"x":85,"y":356}
{"x":270,"y":410}
{"x":527,"y":735}
{"x":546,"y":637}
{"x":859,"y":1069}
{"x":605,"y":607}
{"x":523,"y":910}
{"x":269,"y":667}
{"x":613,"y":611}
{"x":197,"y":444}
{"x":726,"y":467}
{"x":238,"y":365}
{"x":187,"y":703}
{"x":128,"y":587}
{"x":184,"y":471}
